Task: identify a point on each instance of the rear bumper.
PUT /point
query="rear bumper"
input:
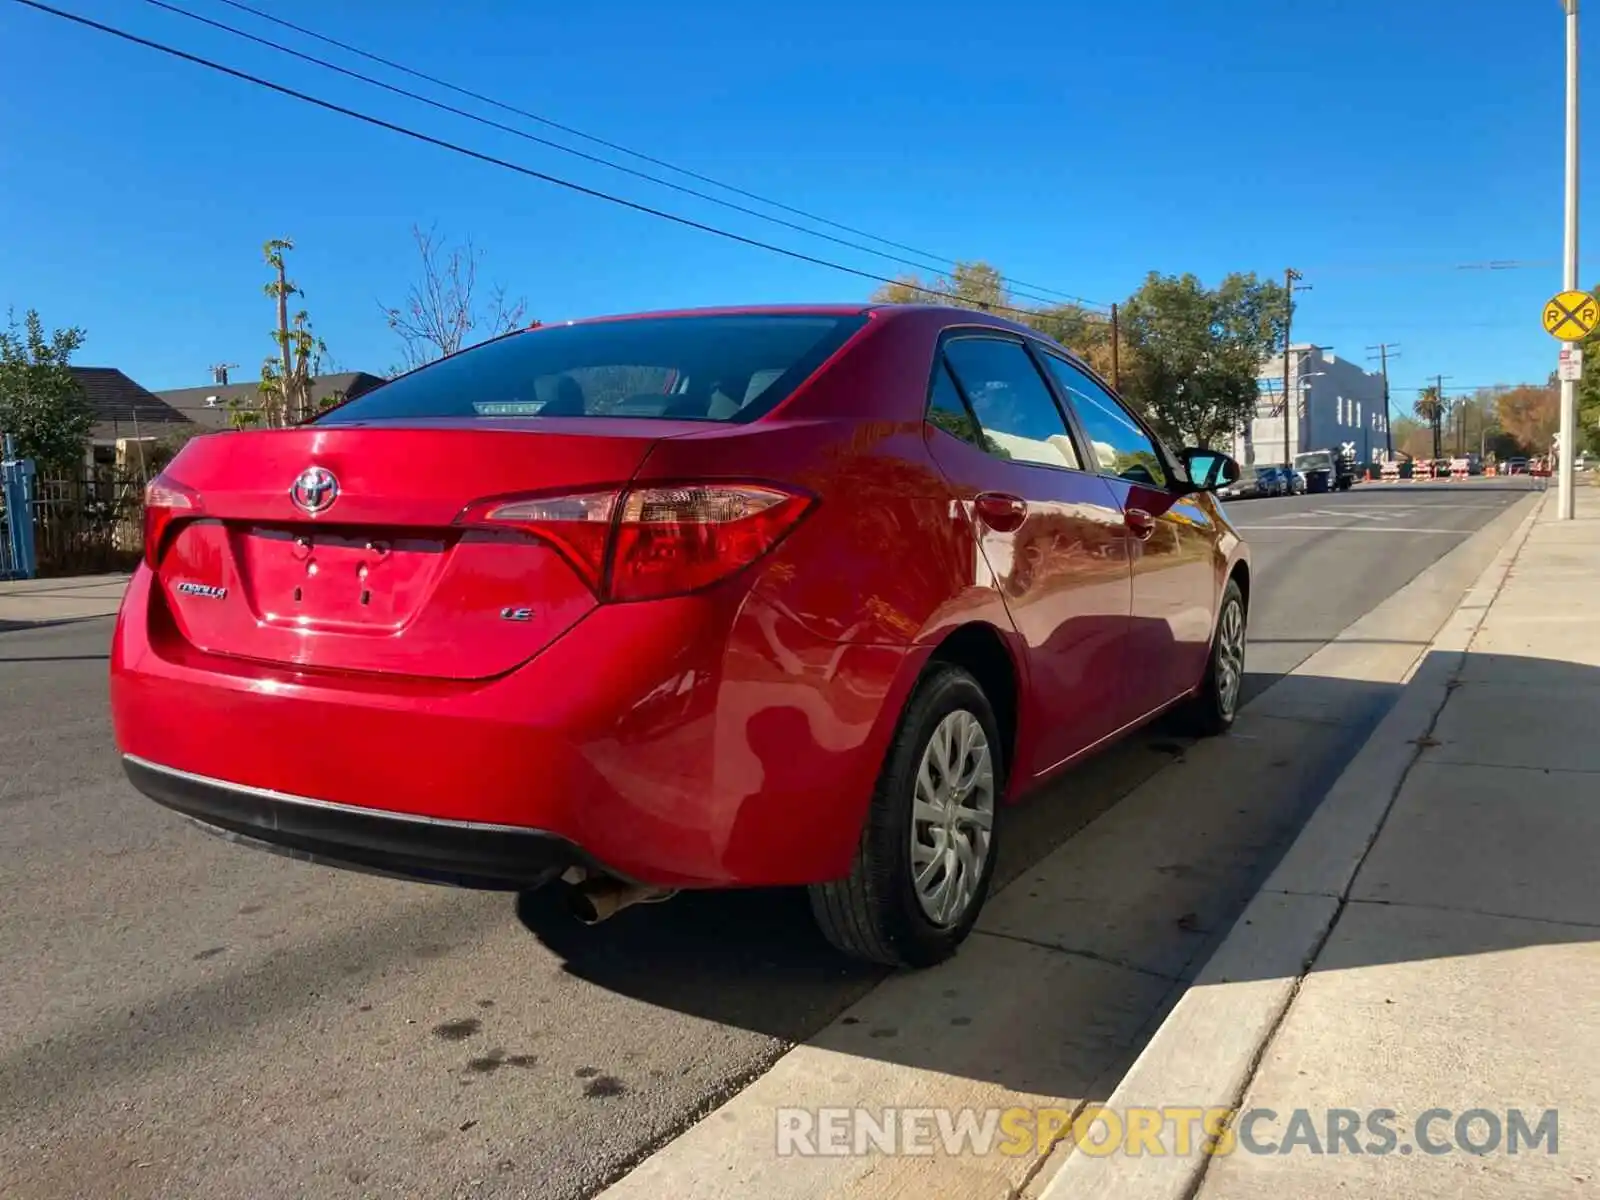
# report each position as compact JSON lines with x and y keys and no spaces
{"x":667,"y":744}
{"x":460,"y":853}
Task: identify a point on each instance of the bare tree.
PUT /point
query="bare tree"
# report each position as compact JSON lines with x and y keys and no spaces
{"x":444,"y":308}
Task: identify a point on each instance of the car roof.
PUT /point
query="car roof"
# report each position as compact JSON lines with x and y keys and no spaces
{"x":947,"y":314}
{"x":731,"y":310}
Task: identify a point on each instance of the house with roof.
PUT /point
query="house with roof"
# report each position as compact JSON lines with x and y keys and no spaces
{"x":212,"y":407}
{"x":123,"y":412}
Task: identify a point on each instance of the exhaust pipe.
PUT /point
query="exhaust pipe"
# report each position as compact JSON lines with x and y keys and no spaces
{"x":595,"y":898}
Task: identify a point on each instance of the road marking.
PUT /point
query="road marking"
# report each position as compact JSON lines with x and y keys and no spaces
{"x":1353,"y":529}
{"x":1360,"y":514}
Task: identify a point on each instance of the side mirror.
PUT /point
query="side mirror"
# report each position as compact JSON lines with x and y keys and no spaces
{"x":1208,"y":470}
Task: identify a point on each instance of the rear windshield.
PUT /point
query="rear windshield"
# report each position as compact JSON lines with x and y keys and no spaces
{"x":707,"y":368}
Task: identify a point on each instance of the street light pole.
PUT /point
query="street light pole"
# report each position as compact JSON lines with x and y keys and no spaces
{"x":1569,"y":389}
{"x":1289,"y":277}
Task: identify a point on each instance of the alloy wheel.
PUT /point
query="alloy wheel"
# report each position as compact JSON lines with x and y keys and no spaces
{"x":1230,"y":655}
{"x":952,"y":818}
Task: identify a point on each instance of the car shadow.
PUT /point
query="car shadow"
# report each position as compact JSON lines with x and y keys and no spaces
{"x":1140,"y":926}
{"x":755,"y":961}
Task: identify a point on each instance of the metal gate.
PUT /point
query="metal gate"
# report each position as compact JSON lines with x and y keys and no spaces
{"x":17,"y":559}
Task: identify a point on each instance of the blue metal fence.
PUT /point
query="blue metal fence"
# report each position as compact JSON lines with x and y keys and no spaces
{"x":17,"y":557}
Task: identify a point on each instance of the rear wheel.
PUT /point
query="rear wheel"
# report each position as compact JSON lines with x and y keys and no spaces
{"x":926,"y":857}
{"x":1210,"y":712}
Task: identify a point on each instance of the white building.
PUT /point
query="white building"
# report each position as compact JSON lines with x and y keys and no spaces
{"x":1336,"y":402}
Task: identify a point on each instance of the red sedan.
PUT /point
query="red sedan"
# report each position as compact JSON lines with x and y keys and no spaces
{"x":728,"y":598}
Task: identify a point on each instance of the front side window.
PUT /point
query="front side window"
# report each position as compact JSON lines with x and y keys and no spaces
{"x":707,"y":368}
{"x":1118,"y":443}
{"x":1012,"y":401}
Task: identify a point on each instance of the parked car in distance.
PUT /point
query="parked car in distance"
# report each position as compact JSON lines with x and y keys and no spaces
{"x":1324,"y":471}
{"x":1517,"y":466}
{"x":1274,"y":481}
{"x":717,"y":599}
{"x":1246,"y":487}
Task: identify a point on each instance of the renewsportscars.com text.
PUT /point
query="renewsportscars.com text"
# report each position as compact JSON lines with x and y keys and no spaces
{"x":1175,"y":1130}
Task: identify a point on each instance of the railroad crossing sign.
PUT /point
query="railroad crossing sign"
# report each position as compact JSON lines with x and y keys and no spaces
{"x":1571,"y":316}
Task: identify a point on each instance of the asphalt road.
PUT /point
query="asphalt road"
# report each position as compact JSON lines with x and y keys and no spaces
{"x":182,"y":1017}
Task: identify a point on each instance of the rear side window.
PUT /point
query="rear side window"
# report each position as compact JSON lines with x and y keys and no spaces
{"x":707,"y":368}
{"x":1012,"y":401}
{"x":945,"y":409}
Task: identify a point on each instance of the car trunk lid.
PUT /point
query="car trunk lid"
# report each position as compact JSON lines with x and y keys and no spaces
{"x":367,"y":569}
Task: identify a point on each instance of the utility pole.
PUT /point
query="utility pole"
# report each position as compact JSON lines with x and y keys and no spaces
{"x":1385,"y":352}
{"x":1438,"y":415}
{"x":1290,"y":400}
{"x":1569,"y":388}
{"x":1116,"y":361}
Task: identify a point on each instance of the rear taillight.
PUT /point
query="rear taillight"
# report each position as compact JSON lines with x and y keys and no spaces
{"x":651,"y":542}
{"x":165,"y":501}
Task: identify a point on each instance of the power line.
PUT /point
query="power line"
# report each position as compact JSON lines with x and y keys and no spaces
{"x":530,"y":172}
{"x":593,"y":158}
{"x":1475,"y":387}
{"x":1015,"y":284}
{"x":1442,"y":326}
{"x":1499,"y":264}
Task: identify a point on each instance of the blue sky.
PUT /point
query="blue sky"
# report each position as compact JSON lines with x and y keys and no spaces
{"x":1073,"y":145}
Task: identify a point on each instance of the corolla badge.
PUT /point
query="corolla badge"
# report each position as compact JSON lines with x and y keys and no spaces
{"x":209,"y":591}
{"x":314,"y":490}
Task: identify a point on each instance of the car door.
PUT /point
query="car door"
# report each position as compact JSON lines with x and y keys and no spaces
{"x":1171,"y":538}
{"x":1050,"y":532}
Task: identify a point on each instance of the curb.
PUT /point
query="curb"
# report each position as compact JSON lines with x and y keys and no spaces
{"x":1207,"y":1050}
{"x":65,"y":600}
{"x":8,"y":625}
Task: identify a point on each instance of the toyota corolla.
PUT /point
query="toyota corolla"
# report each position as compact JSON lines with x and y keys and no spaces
{"x":716,"y":599}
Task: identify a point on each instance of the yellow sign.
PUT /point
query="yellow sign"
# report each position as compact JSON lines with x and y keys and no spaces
{"x":1571,"y":316}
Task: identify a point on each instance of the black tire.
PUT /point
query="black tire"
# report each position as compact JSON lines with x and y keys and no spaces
{"x":1211,"y":711}
{"x":874,"y":913}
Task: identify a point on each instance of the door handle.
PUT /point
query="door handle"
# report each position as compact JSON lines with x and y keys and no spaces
{"x":1001,"y":511}
{"x":1140,"y":523}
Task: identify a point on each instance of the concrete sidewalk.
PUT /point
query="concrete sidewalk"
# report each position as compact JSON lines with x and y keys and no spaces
{"x":1430,"y":946}
{"x":27,"y":602}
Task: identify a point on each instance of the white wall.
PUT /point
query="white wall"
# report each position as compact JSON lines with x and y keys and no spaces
{"x":1339,"y":402}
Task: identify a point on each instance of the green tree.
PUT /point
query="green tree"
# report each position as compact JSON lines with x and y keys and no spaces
{"x":971,"y":285}
{"x":286,"y":377}
{"x":977,"y":285}
{"x":1589,"y":392}
{"x":41,"y":404}
{"x":1195,"y":353}
{"x":1429,"y":406}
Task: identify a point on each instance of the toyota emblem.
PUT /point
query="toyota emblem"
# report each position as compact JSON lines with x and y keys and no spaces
{"x":314,"y":490}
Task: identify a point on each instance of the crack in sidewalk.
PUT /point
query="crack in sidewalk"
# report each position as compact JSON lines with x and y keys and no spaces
{"x":1473,"y":912}
{"x":1107,"y":959}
